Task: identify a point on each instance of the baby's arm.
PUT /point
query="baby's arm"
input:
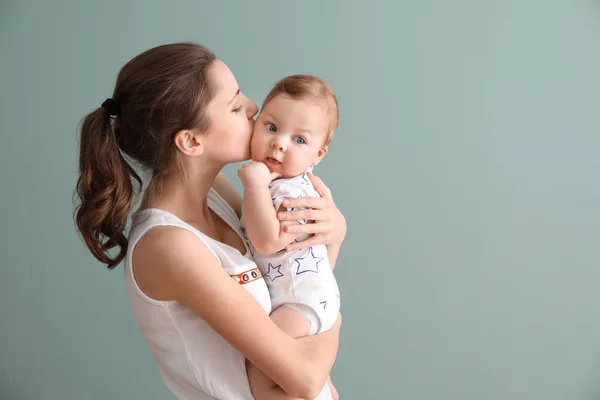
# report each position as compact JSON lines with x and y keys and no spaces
{"x":264,"y":230}
{"x":262,"y":226}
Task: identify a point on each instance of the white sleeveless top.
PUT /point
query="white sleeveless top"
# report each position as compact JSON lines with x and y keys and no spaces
{"x":194,"y":361}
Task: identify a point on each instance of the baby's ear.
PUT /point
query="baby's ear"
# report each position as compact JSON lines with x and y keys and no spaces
{"x":320,"y":155}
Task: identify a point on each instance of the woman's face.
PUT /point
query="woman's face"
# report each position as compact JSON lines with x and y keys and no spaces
{"x":231,"y":117}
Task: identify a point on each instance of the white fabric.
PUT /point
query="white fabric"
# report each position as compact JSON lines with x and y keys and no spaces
{"x":302,"y":279}
{"x":194,"y":361}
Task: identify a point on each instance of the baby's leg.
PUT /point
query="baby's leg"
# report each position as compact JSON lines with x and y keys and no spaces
{"x":264,"y":388}
{"x":291,"y":321}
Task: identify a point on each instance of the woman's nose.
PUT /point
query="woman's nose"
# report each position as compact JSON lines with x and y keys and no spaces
{"x":251,"y":109}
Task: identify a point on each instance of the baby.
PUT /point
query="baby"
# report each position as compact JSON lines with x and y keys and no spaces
{"x":291,"y":135}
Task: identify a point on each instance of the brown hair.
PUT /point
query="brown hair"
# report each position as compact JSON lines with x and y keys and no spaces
{"x":159,"y":92}
{"x":308,"y":87}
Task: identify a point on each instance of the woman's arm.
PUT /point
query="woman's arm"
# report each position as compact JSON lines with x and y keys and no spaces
{"x":177,"y":266}
{"x":294,"y":325}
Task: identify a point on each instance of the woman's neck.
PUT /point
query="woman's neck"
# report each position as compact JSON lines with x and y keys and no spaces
{"x":184,"y":195}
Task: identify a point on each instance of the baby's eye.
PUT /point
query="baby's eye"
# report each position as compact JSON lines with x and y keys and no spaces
{"x":271,"y":127}
{"x":300,"y":140}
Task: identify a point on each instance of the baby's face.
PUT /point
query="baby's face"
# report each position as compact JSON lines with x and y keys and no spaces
{"x":289,"y":135}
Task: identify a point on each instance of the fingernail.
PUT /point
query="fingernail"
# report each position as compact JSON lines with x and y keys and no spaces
{"x":289,"y":229}
{"x":286,"y":202}
{"x":281,"y":215}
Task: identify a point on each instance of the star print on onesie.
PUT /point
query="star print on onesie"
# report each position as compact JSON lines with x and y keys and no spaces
{"x":310,"y":263}
{"x":301,"y":279}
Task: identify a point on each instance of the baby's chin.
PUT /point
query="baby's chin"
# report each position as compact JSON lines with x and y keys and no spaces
{"x":291,"y":174}
{"x":280,"y":168}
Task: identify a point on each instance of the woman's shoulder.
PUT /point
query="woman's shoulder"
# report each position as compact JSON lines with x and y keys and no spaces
{"x":165,"y":253}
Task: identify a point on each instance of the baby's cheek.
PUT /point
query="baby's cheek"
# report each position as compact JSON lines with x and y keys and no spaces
{"x":253,"y":140}
{"x":257,"y":137}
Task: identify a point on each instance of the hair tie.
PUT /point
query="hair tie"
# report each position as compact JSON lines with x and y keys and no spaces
{"x":112,"y":107}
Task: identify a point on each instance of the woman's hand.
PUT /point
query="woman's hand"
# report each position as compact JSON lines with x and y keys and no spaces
{"x":327,"y":224}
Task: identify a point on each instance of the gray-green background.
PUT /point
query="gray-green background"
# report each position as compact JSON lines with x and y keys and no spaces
{"x":466,"y":162}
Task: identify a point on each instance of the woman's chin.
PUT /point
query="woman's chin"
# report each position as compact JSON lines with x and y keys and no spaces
{"x":244,"y":157}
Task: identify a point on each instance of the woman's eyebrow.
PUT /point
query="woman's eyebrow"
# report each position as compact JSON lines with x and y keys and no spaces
{"x":236,"y":94}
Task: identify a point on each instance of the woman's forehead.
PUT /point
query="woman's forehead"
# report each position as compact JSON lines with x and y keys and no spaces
{"x":222,"y":80}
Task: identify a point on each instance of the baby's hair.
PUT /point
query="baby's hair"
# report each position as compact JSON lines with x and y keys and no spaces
{"x":308,"y":87}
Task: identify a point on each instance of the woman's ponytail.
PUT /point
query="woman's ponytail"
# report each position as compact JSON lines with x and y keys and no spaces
{"x":105,"y":189}
{"x":157,"y":93}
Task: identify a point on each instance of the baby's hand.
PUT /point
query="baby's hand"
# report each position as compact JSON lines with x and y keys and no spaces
{"x":256,"y":174}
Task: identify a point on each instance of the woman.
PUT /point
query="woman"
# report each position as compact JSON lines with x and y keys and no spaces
{"x":178,"y":113}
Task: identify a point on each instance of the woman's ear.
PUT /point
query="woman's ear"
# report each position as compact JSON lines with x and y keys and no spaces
{"x":320,"y":155}
{"x":189,"y":142}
